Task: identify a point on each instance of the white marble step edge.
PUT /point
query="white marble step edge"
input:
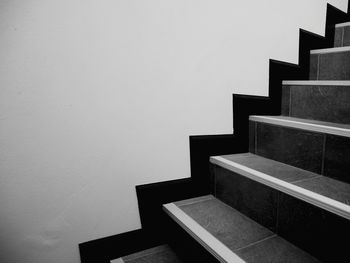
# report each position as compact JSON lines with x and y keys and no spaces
{"x":118,"y":260}
{"x":313,"y":198}
{"x":342,"y":24}
{"x":330,"y":50}
{"x":316,"y":82}
{"x":202,"y":236}
{"x":309,"y":125}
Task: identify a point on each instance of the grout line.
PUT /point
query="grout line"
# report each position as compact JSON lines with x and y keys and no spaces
{"x":256,"y":242}
{"x":215,"y":172}
{"x":342,"y":37}
{"x":290,"y":102}
{"x":318,"y":66}
{"x":323,"y":153}
{"x":256,"y":137}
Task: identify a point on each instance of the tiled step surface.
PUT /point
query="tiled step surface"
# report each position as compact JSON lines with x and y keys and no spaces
{"x":324,"y":192}
{"x":342,"y":35}
{"x":159,"y":254}
{"x":317,"y":100}
{"x":282,"y":199}
{"x":230,"y":235}
{"x":316,"y":146}
{"x":330,"y":64}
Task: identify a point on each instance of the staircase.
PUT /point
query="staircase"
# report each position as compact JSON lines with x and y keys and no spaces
{"x":288,"y":198}
{"x":285,"y":200}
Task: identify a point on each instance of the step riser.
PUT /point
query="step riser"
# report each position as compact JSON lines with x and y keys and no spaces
{"x":342,"y":36}
{"x":323,"y":103}
{"x":316,"y":231}
{"x":330,"y":66}
{"x":324,"y":154}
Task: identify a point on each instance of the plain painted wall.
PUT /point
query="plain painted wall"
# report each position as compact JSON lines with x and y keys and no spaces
{"x":97,"y":96}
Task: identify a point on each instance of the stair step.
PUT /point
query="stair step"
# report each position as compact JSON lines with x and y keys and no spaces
{"x":321,"y":191}
{"x":159,"y":254}
{"x":280,"y":198}
{"x":231,"y":236}
{"x":342,"y":35}
{"x":330,"y":64}
{"x":327,"y":101}
{"x":304,"y":124}
{"x":316,"y":146}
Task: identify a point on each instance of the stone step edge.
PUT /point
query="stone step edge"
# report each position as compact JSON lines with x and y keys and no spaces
{"x":117,"y":260}
{"x":221,"y":252}
{"x":316,"y":82}
{"x":342,"y":24}
{"x":140,"y":254}
{"x":308,"y":196}
{"x":304,"y":124}
{"x":330,"y":50}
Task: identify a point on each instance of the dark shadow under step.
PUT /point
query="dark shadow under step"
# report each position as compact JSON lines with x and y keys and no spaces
{"x":230,"y":235}
{"x":159,"y":254}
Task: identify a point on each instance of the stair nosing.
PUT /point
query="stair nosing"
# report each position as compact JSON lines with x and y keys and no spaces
{"x":303,"y":124}
{"x":117,"y":260}
{"x":330,"y":50}
{"x":311,"y":197}
{"x":342,"y":25}
{"x":317,"y":82}
{"x":219,"y":250}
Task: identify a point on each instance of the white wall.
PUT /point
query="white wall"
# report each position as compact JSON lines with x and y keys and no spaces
{"x":97,"y":96}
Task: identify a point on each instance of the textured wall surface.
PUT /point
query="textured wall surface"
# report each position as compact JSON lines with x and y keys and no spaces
{"x":98,"y":96}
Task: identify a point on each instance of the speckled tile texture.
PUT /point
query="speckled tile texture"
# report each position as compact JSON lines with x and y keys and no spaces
{"x":299,"y":148}
{"x":330,"y":66}
{"x":323,"y":103}
{"x":236,"y":191}
{"x":228,"y":225}
{"x":274,"y":249}
{"x":249,"y":240}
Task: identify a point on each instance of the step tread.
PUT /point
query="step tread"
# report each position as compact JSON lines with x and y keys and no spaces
{"x":273,"y":168}
{"x":305,"y":124}
{"x":244,"y":237}
{"x":328,"y":187}
{"x":159,"y":254}
{"x":328,"y":193}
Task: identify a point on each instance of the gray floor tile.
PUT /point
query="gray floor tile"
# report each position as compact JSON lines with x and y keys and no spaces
{"x":228,"y":225}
